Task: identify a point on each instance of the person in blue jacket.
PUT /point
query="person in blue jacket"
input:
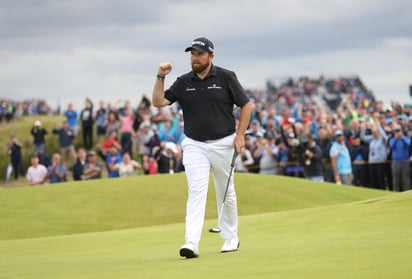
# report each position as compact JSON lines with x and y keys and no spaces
{"x":400,"y":144}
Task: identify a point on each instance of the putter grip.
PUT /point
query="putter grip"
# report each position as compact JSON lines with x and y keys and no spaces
{"x":233,"y":158}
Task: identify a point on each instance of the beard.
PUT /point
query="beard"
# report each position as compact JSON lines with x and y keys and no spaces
{"x":199,"y":68}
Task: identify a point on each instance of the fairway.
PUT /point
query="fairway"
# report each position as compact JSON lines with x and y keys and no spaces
{"x":295,"y":229}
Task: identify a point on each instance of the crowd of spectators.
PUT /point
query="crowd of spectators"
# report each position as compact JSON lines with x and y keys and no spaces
{"x":323,"y":129}
{"x":10,"y":110}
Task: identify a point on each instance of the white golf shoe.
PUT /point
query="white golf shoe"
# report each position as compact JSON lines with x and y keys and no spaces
{"x":230,"y":245}
{"x":189,"y":251}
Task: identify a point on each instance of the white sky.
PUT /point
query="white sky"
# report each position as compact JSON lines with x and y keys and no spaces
{"x":65,"y":50}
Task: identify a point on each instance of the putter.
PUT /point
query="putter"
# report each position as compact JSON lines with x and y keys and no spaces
{"x":232,"y":166}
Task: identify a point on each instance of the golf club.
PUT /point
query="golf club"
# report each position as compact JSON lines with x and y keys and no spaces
{"x":232,"y":166}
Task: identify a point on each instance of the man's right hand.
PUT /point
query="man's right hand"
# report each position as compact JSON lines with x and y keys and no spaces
{"x":164,"y":69}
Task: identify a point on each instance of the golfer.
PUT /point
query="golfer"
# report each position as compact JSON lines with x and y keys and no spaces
{"x":207,"y":96}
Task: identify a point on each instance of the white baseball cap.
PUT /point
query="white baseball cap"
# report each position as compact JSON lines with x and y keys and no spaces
{"x":172,"y":146}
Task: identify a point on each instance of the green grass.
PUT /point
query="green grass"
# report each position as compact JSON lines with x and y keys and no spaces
{"x":112,"y":204}
{"x":133,"y":228}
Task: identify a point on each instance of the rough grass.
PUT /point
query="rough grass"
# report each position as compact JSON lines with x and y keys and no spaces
{"x":21,"y":127}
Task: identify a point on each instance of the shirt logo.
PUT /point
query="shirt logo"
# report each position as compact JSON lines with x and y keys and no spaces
{"x":190,"y":89}
{"x":214,"y":86}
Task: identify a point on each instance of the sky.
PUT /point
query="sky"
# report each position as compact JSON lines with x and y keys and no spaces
{"x":63,"y":51}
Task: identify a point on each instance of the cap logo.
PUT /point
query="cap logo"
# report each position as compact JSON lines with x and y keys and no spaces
{"x":198,"y":43}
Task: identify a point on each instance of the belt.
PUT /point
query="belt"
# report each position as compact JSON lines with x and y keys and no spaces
{"x":405,"y":161}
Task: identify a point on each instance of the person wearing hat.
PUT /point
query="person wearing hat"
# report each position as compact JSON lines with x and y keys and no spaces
{"x":359,"y":157}
{"x":400,"y":145}
{"x":341,"y":160}
{"x":266,"y":152}
{"x":166,"y":157}
{"x":38,"y":133}
{"x":207,"y":95}
{"x":409,"y":126}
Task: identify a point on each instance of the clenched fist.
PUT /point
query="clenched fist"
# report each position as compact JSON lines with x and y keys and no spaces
{"x":164,"y":68}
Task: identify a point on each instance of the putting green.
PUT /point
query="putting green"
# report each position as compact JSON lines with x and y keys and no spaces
{"x":363,"y":239}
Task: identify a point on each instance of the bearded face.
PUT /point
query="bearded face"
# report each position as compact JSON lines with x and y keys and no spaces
{"x":200,"y":61}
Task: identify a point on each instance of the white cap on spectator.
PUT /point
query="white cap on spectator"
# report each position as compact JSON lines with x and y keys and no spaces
{"x":37,"y":123}
{"x":397,"y":127}
{"x":144,"y":124}
{"x":172,"y":146}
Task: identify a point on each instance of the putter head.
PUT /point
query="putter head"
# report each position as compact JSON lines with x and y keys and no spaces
{"x":214,"y":230}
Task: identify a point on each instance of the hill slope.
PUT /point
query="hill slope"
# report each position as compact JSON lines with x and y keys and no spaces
{"x":112,"y":204}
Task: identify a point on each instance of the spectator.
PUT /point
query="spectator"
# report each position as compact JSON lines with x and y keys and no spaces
{"x":251,"y":147}
{"x":149,"y":164}
{"x":112,"y":123}
{"x":377,"y":155}
{"x":38,"y":133}
{"x":71,"y":116}
{"x":36,"y":173}
{"x":127,"y":167}
{"x":244,"y":160}
{"x":294,"y":162}
{"x":166,"y":157}
{"x":399,"y":145}
{"x":127,"y":132}
{"x":44,"y":158}
{"x":112,"y":158}
{"x":167,"y":133}
{"x":57,"y":172}
{"x":359,"y":158}
{"x":255,"y":129}
{"x":312,"y":159}
{"x":110,"y":141}
{"x":325,"y":142}
{"x":143,"y":136}
{"x":266,"y":151}
{"x":66,"y":137}
{"x":86,"y":116}
{"x":93,"y":169}
{"x":282,"y":158}
{"x":16,"y":158}
{"x":271,"y":130}
{"x":154,"y":142}
{"x":80,"y":163}
{"x":340,"y":160}
{"x":101,"y":123}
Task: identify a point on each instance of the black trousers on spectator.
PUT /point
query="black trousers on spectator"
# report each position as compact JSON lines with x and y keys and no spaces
{"x":360,"y":174}
{"x":17,"y":168}
{"x":377,"y":175}
{"x":388,"y":176}
{"x":87,"y":132}
{"x":127,"y":143}
{"x":327,"y":172}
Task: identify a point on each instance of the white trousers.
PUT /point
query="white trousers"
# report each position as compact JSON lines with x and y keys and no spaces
{"x":199,"y":159}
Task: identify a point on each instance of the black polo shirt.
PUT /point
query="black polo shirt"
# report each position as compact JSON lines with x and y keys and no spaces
{"x":207,"y":103}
